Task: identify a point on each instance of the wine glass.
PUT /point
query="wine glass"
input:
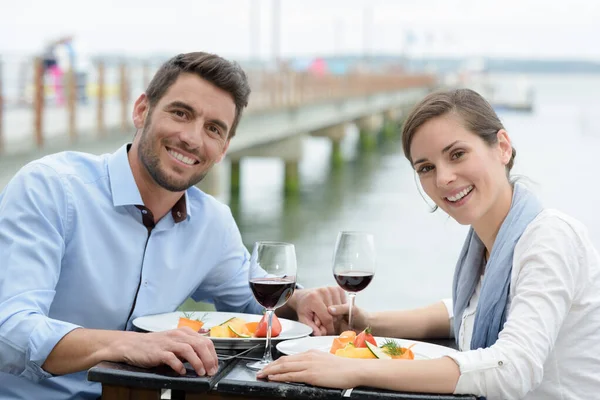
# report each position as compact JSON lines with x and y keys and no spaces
{"x":353,"y":264}
{"x":272,"y":279}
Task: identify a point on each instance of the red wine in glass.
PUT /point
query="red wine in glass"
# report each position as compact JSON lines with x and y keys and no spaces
{"x":272,"y":279}
{"x":353,"y":281}
{"x":353,"y":264}
{"x":272,"y":293}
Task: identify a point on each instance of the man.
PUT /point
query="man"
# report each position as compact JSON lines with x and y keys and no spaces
{"x":88,"y":243}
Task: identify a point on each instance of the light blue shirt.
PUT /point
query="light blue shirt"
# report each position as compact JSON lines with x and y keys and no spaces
{"x":74,"y":250}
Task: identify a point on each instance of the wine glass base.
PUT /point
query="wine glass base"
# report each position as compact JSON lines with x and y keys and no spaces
{"x":258,"y":365}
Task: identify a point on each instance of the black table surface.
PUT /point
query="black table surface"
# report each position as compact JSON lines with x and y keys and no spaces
{"x":234,"y":378}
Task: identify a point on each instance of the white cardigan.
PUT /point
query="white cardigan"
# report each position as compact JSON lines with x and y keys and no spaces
{"x":550,"y":345}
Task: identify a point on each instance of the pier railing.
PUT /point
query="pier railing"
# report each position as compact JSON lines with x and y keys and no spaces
{"x":37,"y":106}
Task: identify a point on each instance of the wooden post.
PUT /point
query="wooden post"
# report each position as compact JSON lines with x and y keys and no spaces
{"x":100,"y":100}
{"x":124,"y":89}
{"x":38,"y":101}
{"x":72,"y":104}
{"x":1,"y":110}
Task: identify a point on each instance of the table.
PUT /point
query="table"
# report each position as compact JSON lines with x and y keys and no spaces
{"x":233,"y":381}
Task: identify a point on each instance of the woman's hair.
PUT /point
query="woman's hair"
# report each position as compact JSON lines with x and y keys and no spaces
{"x":474,"y":111}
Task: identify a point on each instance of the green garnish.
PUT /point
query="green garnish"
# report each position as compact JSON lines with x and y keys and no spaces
{"x":392,"y":348}
{"x":190,"y":315}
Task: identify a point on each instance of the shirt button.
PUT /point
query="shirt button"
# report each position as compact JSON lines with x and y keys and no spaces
{"x":144,"y":212}
{"x":500,"y":363}
{"x":178,"y":214}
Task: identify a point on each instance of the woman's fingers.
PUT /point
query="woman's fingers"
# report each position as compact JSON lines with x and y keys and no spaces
{"x":288,"y":377}
{"x":338,"y":310}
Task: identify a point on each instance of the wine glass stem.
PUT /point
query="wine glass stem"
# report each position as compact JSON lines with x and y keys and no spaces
{"x":350,"y":307}
{"x":268,"y":357}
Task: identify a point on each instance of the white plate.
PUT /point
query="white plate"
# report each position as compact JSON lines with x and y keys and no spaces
{"x":422,"y":350}
{"x":164,"y":322}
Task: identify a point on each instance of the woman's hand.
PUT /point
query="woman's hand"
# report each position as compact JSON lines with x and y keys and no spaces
{"x":315,"y":368}
{"x":360,"y":318}
{"x":311,"y":306}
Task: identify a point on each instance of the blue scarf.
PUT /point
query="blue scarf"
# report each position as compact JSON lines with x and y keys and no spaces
{"x":490,"y":315}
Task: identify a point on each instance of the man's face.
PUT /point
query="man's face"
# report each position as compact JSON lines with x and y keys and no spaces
{"x":185,"y":133}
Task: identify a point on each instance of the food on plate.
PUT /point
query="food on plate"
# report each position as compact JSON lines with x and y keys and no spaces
{"x":238,"y":328}
{"x":341,"y":341}
{"x":364,"y":345}
{"x":261,"y":330}
{"x":191,"y":322}
{"x":363,"y":337}
{"x":393,"y":349}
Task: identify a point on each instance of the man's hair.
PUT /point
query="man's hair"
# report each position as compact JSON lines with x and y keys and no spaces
{"x":226,"y":75}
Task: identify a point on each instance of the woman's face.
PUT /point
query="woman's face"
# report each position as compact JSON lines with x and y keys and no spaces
{"x":460,"y":172}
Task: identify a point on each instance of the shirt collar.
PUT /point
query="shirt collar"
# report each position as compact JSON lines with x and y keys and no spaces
{"x":125,"y":191}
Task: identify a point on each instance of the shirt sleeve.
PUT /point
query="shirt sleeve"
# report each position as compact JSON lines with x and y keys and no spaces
{"x":227,"y":284}
{"x":546,"y":262}
{"x":33,"y":208}
{"x":450,"y":308}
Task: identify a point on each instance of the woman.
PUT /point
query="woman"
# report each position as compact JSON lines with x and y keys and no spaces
{"x":526,"y":292}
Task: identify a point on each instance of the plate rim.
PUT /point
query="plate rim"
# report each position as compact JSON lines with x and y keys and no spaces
{"x":235,"y":342}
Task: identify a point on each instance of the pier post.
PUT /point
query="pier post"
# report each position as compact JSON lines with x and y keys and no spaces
{"x":211,"y":184}
{"x":145,"y":74}
{"x":124,"y":92}
{"x":72,"y":104}
{"x":336,"y":134}
{"x":289,"y":150}
{"x":369,"y":128}
{"x":390,"y":124}
{"x":38,"y":101}
{"x":337,"y":158}
{"x":100,"y":100}
{"x":292,"y":177}
{"x":235,"y":177}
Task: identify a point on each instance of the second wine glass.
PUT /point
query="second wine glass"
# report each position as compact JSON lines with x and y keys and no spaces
{"x":272,"y":278}
{"x":354,"y":264}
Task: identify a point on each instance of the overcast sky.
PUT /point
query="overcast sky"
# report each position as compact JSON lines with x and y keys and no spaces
{"x":511,"y":28}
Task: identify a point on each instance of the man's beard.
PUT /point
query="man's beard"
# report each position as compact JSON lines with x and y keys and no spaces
{"x":151,"y":162}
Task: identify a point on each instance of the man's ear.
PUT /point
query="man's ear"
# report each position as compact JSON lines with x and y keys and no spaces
{"x":505,"y":146}
{"x":140,"y":111}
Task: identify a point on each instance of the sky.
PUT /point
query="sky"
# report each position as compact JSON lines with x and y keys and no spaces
{"x":245,"y":28}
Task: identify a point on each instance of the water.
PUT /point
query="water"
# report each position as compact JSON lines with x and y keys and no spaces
{"x":557,"y":149}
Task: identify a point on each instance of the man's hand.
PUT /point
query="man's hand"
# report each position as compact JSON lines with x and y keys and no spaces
{"x":172,"y":348}
{"x":311,"y":307}
{"x":81,"y":349}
